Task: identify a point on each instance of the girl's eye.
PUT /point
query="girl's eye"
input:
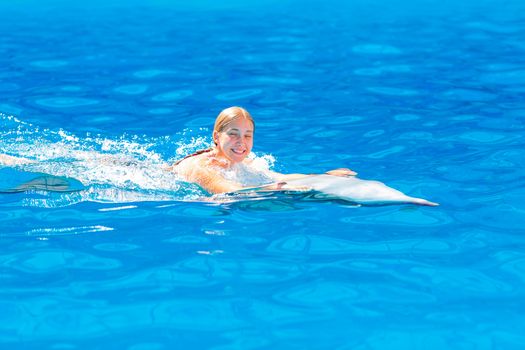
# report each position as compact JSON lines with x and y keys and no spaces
{"x":248,"y":136}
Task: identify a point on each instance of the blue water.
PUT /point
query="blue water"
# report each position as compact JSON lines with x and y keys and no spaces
{"x":424,"y":96}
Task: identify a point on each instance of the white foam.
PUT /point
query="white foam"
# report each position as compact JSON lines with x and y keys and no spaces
{"x":121,"y":169}
{"x":253,"y":173}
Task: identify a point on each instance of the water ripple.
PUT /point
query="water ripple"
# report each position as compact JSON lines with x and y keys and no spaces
{"x":200,"y":314}
{"x":239,"y":94}
{"x":61,"y":231}
{"x":376,"y":49}
{"x":393,"y":91}
{"x":514,"y":77}
{"x":414,"y":218}
{"x":46,"y":261}
{"x":380,"y":70}
{"x":65,"y":102}
{"x":133,"y":89}
{"x":318,"y":294}
{"x":49,"y":63}
{"x":313,"y":245}
{"x":468,"y":95}
{"x":172,"y":95}
{"x":150,"y":73}
{"x":470,"y":282}
{"x":433,"y":106}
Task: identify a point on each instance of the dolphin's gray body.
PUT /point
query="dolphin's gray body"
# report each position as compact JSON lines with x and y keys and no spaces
{"x":351,"y":189}
{"x":15,"y":180}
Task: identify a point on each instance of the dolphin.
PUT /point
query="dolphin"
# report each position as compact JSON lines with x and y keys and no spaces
{"x":347,"y":188}
{"x":14,"y":181}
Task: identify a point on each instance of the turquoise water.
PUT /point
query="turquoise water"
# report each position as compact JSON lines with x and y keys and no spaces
{"x":424,"y":96}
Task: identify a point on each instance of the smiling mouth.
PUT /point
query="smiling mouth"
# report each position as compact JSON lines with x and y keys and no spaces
{"x":239,"y":152}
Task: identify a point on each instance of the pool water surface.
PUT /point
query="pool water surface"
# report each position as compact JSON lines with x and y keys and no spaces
{"x":426,"y":97}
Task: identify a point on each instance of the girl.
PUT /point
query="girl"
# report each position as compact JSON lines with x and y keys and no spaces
{"x":225,"y":167}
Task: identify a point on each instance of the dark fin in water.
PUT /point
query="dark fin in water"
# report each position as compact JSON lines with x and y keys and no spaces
{"x":43,"y":182}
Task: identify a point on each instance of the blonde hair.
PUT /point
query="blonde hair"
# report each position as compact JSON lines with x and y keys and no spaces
{"x":224,"y":118}
{"x":230,"y":114}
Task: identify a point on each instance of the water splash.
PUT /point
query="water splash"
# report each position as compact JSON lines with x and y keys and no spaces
{"x":123,"y":169}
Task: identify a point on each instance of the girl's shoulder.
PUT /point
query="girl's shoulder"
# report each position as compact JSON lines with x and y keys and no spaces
{"x":193,"y":158}
{"x":197,"y":166}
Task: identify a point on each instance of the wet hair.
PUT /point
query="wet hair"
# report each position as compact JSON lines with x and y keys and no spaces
{"x":201,"y":151}
{"x":228,"y":115}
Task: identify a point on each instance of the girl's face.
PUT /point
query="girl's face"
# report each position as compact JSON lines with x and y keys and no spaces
{"x":235,"y":142}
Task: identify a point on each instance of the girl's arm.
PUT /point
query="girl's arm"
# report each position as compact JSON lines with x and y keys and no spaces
{"x":210,"y":180}
{"x":336,"y":172}
{"x":341,"y":172}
